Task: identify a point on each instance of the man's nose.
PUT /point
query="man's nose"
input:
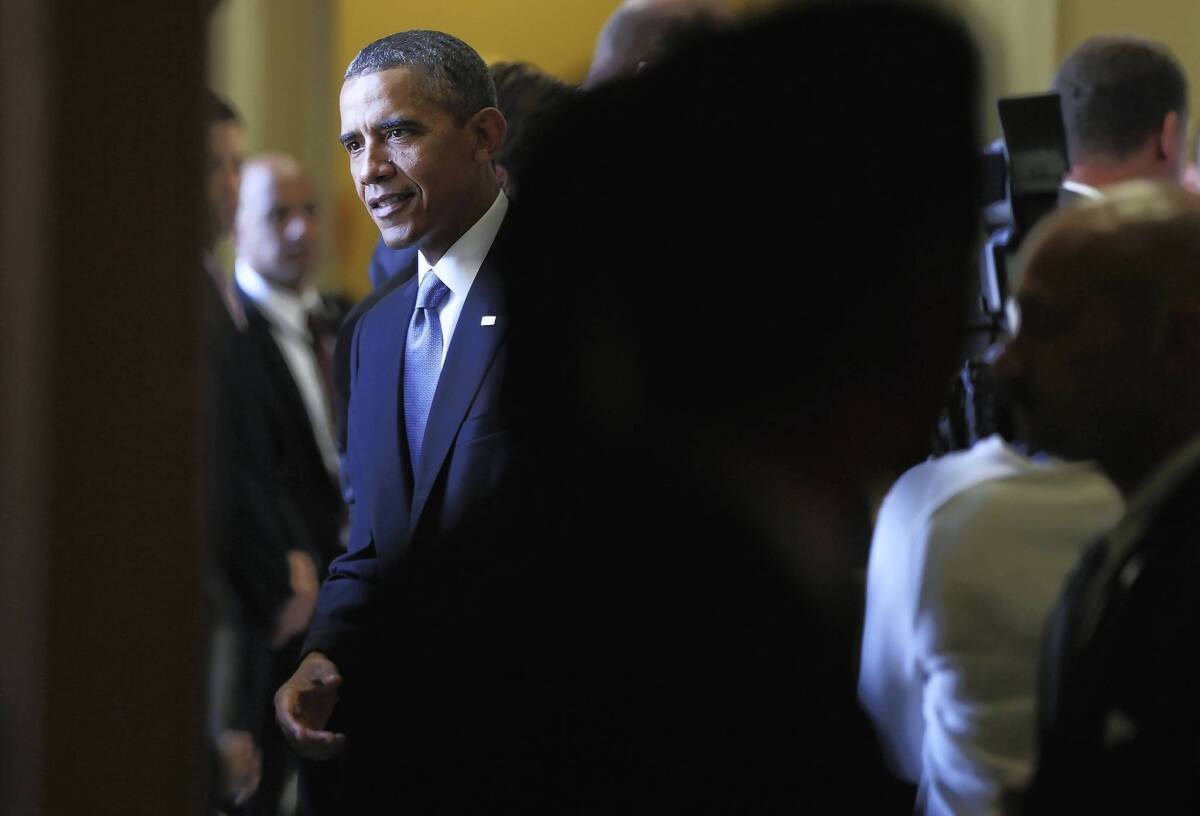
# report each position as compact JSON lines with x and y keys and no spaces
{"x":377,"y":165}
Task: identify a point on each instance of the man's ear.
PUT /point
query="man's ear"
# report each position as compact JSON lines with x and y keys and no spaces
{"x":1171,"y":140}
{"x":488,"y":128}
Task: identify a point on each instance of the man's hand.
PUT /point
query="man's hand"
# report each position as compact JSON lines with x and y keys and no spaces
{"x":298,"y":610}
{"x":303,"y":705}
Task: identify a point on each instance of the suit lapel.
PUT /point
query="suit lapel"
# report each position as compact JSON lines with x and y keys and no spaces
{"x":472,"y":350}
{"x":382,"y":394}
{"x":290,"y":400}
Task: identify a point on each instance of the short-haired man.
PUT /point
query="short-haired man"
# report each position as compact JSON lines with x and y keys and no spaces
{"x":1103,"y":366}
{"x":1124,"y":103}
{"x":426,"y":443}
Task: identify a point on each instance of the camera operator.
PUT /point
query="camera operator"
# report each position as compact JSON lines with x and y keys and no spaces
{"x":1124,"y":102}
{"x":970,"y":550}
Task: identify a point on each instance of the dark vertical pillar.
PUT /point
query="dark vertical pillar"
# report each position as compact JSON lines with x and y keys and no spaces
{"x":101,"y":261}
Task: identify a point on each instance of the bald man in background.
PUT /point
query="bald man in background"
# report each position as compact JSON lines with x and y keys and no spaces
{"x":1103,"y":366}
{"x":290,"y":329}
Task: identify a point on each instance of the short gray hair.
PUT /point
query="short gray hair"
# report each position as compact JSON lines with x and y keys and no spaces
{"x":1115,"y":93}
{"x":453,"y":74}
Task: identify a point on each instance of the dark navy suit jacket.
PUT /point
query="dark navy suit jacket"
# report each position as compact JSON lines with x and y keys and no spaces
{"x":391,"y":566}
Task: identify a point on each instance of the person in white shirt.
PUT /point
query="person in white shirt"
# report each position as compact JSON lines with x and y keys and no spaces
{"x":969,"y":554}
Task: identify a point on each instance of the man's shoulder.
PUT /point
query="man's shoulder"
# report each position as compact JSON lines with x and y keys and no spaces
{"x":380,"y":309}
{"x":256,"y":319}
{"x":925,"y":488}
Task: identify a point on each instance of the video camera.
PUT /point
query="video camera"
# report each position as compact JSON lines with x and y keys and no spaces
{"x":1022,"y":178}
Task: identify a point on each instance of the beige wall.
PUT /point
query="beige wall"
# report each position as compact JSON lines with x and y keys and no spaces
{"x":1017,"y":40}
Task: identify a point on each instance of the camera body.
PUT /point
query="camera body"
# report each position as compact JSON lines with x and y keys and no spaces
{"x":1022,"y":180}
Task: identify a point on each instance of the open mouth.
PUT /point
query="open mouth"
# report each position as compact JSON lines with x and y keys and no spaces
{"x":385,"y":206}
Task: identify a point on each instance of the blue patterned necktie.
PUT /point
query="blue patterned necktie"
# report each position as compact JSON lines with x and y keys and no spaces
{"x":422,"y":362}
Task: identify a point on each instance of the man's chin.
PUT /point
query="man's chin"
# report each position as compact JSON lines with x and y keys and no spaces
{"x":398,"y":237}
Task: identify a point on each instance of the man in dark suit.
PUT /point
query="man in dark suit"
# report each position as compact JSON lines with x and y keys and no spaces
{"x":426,"y":445}
{"x":528,"y":99}
{"x":291,"y":326}
{"x":289,"y":332}
{"x":1103,"y":366}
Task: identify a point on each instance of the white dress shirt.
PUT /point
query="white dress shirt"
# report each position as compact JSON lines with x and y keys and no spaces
{"x":969,"y":556}
{"x":288,"y":313}
{"x":460,"y":265}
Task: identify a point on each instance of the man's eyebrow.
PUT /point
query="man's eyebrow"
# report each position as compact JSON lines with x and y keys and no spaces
{"x":397,"y":122}
{"x":382,"y":127}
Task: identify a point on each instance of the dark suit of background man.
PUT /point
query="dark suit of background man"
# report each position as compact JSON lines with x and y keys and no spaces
{"x":289,"y":329}
{"x":1103,"y":366}
{"x":425,"y":444}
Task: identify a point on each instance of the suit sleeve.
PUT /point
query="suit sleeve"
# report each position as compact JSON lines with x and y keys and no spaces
{"x":248,"y":531}
{"x":344,"y":609}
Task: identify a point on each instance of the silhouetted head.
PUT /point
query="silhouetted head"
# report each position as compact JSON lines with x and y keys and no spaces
{"x":528,"y":98}
{"x":643,"y":32}
{"x":1103,"y":362}
{"x":722,"y":245}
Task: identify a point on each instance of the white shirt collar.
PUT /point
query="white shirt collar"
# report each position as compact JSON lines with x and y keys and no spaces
{"x":280,"y":305}
{"x":459,"y":266}
{"x":1083,"y":190}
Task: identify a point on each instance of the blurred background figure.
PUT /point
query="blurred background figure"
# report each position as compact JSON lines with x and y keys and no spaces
{"x":246,"y":538}
{"x":290,"y":330}
{"x":1103,"y":367}
{"x":967,"y":560}
{"x":1125,"y":110}
{"x":641,"y":32}
{"x":529,"y":99}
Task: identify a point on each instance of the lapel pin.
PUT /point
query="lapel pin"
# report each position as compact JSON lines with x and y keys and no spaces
{"x":488,"y":320}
